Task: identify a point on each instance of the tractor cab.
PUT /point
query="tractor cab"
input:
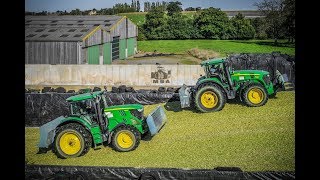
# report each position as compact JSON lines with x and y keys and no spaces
{"x":219,"y":70}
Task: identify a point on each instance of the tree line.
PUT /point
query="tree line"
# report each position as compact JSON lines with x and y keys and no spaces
{"x":212,"y":23}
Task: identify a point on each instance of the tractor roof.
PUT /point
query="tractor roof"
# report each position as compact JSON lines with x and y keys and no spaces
{"x":85,"y":96}
{"x":212,"y":61}
{"x":123,"y":107}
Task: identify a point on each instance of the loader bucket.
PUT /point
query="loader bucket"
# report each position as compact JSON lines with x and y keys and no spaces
{"x":155,"y":120}
{"x":47,"y":132}
{"x":184,"y":95}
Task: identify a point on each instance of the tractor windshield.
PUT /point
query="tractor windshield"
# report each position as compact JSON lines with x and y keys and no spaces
{"x":81,"y":107}
{"x":212,"y":70}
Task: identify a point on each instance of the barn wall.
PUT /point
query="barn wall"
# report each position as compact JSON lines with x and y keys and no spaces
{"x":110,"y":75}
{"x":51,"y":53}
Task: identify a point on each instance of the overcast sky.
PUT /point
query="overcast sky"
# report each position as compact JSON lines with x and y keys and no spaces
{"x":68,"y":5}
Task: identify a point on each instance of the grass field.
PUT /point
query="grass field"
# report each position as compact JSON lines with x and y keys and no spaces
{"x":223,"y":47}
{"x":254,"y":139}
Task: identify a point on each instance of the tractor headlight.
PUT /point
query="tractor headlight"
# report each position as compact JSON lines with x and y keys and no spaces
{"x":266,"y":79}
{"x":109,"y":114}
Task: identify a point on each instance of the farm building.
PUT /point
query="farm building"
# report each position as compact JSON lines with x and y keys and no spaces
{"x":78,"y":39}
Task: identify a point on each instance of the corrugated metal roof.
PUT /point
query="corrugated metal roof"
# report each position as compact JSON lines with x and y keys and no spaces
{"x":65,"y":28}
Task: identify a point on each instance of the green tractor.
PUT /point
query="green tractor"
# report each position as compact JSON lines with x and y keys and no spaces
{"x":252,"y":87}
{"x":92,"y":123}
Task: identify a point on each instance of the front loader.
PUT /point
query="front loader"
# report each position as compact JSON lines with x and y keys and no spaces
{"x":93,"y":123}
{"x":220,"y":83}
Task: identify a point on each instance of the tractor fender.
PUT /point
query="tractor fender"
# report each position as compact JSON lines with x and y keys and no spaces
{"x":212,"y":83}
{"x":80,"y":121}
{"x":48,"y":130}
{"x":111,"y":133}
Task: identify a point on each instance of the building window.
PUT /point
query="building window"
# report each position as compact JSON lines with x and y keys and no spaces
{"x":96,"y":25}
{"x":54,"y":21}
{"x":72,"y":30}
{"x":80,"y":24}
{"x":106,"y":20}
{"x":64,"y":35}
{"x":39,"y":30}
{"x":69,"y":24}
{"x":80,"y":21}
{"x":28,"y":21}
{"x":53,"y":24}
{"x":84,"y":30}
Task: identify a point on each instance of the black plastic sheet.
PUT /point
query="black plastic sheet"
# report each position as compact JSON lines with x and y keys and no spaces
{"x":41,"y":108}
{"x":265,"y":61}
{"x":129,"y":173}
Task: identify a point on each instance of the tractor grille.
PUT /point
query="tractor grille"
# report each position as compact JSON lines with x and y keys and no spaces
{"x":266,"y":79}
{"x":137,"y":114}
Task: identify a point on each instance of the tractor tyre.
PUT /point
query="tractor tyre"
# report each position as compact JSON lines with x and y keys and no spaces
{"x":255,"y":95}
{"x":125,"y":138}
{"x":209,"y":98}
{"x":71,"y":140}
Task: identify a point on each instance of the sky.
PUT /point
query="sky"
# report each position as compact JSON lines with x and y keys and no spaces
{"x":68,"y":5}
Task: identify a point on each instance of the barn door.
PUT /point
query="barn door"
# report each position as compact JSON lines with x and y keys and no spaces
{"x":115,"y":48}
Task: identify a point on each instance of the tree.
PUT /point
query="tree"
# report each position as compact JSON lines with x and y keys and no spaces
{"x":242,"y":28}
{"x":289,"y":22}
{"x":138,"y":6}
{"x":190,"y":9}
{"x":174,"y":7}
{"x":260,"y":26}
{"x":75,"y":12}
{"x":213,"y":23}
{"x":275,"y":18}
{"x":155,"y":23}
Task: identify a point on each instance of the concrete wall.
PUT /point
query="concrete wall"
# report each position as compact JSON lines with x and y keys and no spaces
{"x":112,"y":75}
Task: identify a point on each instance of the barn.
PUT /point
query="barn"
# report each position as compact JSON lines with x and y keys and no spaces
{"x":79,"y":39}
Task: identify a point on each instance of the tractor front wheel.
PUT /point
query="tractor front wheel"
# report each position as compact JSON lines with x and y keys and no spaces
{"x":71,"y":140}
{"x":255,"y":95}
{"x":209,"y":98}
{"x":125,"y":138}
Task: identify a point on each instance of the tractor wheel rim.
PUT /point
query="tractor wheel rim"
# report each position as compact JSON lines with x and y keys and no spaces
{"x":209,"y":99}
{"x":125,"y":139}
{"x":70,"y":143}
{"x":255,"y":96}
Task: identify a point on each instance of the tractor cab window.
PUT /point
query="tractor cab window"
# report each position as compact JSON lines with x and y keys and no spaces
{"x":214,"y":70}
{"x":82,"y":107}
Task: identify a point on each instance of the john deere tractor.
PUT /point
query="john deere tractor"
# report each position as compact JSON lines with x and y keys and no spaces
{"x":92,"y":123}
{"x":220,"y":82}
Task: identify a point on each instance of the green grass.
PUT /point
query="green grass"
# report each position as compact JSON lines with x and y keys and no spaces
{"x":224,"y":47}
{"x":254,"y":139}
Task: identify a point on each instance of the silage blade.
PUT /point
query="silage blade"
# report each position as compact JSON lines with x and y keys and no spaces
{"x":156,"y":120}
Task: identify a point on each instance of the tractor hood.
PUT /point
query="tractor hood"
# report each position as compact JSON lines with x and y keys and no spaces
{"x":85,"y":96}
{"x":123,"y":107}
{"x":249,"y":72}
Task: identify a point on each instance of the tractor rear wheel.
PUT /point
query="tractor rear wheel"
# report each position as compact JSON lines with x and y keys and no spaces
{"x":255,"y":95}
{"x":71,"y":140}
{"x":125,"y":138}
{"x":209,"y":98}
